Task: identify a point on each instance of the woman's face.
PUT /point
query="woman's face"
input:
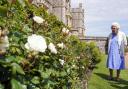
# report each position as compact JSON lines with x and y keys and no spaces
{"x":114,"y":29}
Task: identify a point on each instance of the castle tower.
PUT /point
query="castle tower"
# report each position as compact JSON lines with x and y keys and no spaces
{"x":78,"y":21}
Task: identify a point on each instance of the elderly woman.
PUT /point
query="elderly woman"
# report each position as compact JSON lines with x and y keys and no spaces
{"x":115,"y":49}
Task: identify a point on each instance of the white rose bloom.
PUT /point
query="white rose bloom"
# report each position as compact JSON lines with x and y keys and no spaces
{"x":67,"y":31}
{"x":73,"y":66}
{"x":52,"y":48}
{"x":61,"y":61}
{"x":38,"y":19}
{"x":36,"y":43}
{"x":60,"y":45}
{"x":4,"y":43}
{"x":83,"y":67}
{"x":78,"y":57}
{"x":64,"y":30}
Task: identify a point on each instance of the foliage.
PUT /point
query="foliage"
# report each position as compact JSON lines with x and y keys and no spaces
{"x":25,"y":69}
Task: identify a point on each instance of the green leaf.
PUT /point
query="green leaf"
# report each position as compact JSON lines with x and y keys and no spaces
{"x":63,"y":73}
{"x":10,"y":59}
{"x":21,"y":2}
{"x":16,"y":59}
{"x":4,"y":63}
{"x":17,"y":85}
{"x":14,"y":70}
{"x":32,"y":86}
{"x":17,"y":68}
{"x":27,"y":29}
{"x":3,"y":11}
{"x":45,"y":75}
{"x":35,"y":80}
{"x":18,"y":51}
{"x":1,"y":86}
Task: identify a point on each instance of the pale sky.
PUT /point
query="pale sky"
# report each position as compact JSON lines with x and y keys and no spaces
{"x":99,"y":14}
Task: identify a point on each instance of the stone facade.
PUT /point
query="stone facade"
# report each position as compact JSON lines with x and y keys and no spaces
{"x":72,"y":17}
{"x":60,"y":8}
{"x":78,"y":21}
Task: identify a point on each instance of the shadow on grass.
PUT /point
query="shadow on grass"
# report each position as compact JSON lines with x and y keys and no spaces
{"x":104,"y":76}
{"x":119,"y":87}
{"x":121,"y":84}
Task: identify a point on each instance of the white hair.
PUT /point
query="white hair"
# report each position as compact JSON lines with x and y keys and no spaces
{"x":116,"y":24}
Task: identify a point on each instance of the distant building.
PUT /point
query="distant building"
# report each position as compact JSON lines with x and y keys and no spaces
{"x":78,"y":21}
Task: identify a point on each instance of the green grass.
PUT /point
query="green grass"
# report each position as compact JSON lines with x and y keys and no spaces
{"x":99,"y":79}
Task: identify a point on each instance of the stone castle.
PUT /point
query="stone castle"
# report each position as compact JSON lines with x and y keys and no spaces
{"x":72,"y":17}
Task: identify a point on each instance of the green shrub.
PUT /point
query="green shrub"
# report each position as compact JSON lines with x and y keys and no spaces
{"x":26,"y":69}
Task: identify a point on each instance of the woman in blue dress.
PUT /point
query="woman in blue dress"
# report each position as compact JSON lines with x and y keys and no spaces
{"x":115,"y":49}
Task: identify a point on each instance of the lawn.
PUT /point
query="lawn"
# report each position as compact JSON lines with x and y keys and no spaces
{"x":99,"y":78}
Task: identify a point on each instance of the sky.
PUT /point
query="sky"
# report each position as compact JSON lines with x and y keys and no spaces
{"x":100,"y":14}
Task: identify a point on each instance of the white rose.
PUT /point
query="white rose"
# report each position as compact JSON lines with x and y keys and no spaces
{"x":61,"y":61}
{"x":38,"y":19}
{"x":83,"y":67}
{"x":67,"y":31}
{"x":60,"y":45}
{"x":73,"y":66}
{"x":52,"y":48}
{"x":4,"y":43}
{"x":64,"y":30}
{"x":78,"y":57}
{"x":36,"y":43}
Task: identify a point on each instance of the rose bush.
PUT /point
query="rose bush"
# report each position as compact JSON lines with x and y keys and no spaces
{"x":41,"y":55}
